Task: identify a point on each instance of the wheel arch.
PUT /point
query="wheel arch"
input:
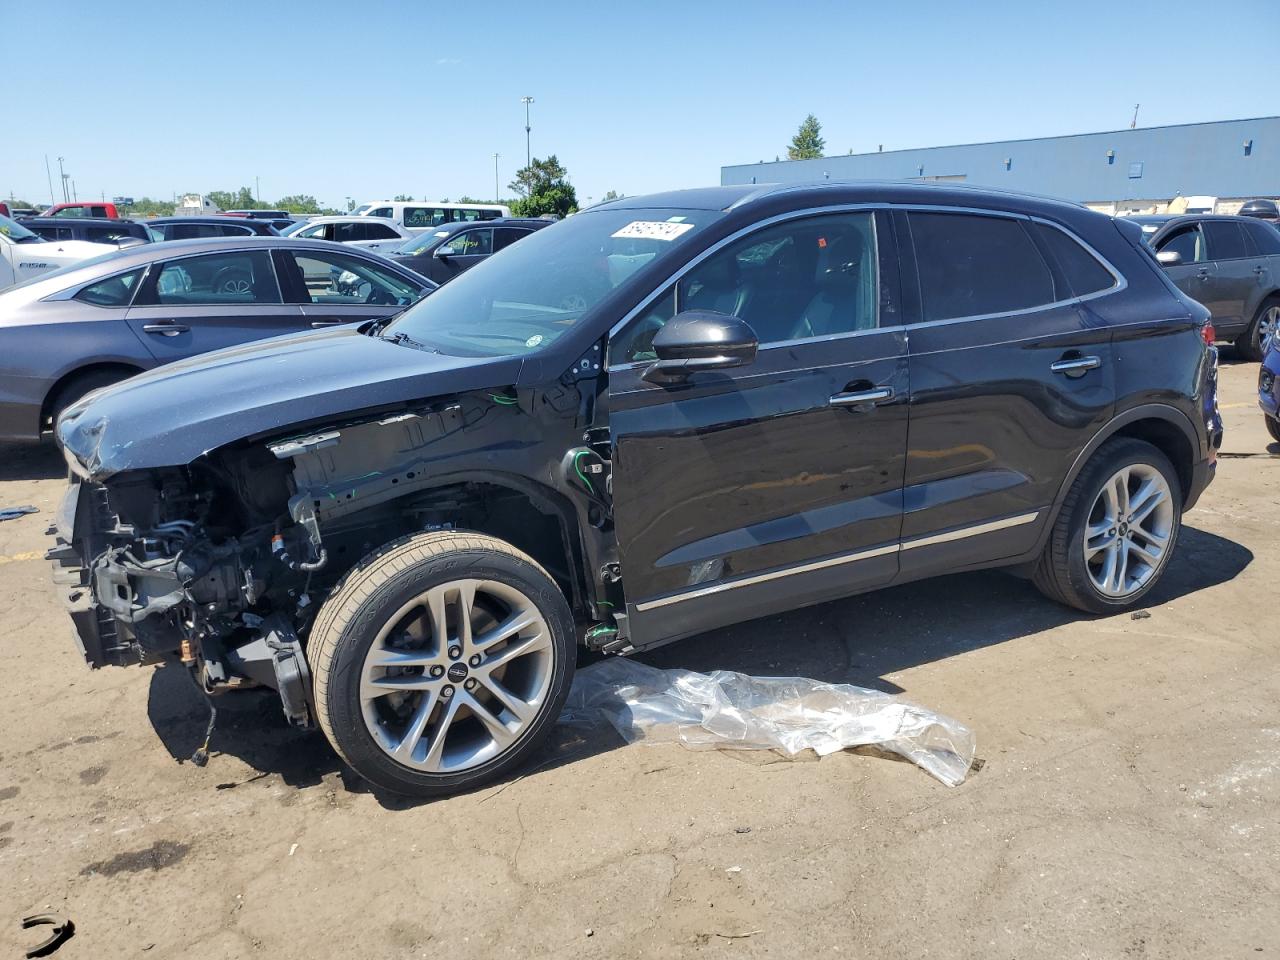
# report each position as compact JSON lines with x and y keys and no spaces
{"x":54,"y":393}
{"x":1166,"y":428}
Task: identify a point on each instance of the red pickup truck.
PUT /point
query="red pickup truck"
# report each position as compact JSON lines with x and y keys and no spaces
{"x":99,"y":210}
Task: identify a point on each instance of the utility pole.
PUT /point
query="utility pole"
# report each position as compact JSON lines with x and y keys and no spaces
{"x":49,"y":175}
{"x":496,"y":195}
{"x":1134,"y":122}
{"x":528,"y":152}
{"x":73,"y":191}
{"x":257,"y":192}
{"x":63,"y":174}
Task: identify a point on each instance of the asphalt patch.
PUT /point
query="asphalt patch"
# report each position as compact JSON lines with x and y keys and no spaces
{"x":161,"y":854}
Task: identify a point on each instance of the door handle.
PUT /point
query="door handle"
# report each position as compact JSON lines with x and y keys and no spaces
{"x":1202,"y":273}
{"x":858,"y":398}
{"x":166,"y":329}
{"x":1075,"y":365}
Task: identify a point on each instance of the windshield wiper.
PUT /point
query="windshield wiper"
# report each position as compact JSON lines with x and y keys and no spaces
{"x":404,"y":339}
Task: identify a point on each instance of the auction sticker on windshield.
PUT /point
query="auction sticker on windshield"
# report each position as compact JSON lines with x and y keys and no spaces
{"x":653,"y":230}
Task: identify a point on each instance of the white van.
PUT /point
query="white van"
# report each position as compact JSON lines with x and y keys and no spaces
{"x":419,"y":215}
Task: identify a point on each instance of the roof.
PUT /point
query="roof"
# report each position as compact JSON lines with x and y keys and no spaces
{"x":1229,"y":158}
{"x":76,"y":221}
{"x":351,"y":218}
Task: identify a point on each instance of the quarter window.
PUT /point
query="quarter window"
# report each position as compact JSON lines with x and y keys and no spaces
{"x":113,"y":292}
{"x":970,"y":266}
{"x":1081,"y":268}
{"x":1226,"y":240}
{"x":218,"y":278}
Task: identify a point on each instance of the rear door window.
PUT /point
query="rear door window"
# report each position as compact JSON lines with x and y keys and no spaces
{"x":1226,"y":240}
{"x":113,"y":292}
{"x":350,"y":232}
{"x":379,"y":231}
{"x":242,"y":277}
{"x":1266,"y":238}
{"x":1081,"y":268}
{"x":971,"y":266}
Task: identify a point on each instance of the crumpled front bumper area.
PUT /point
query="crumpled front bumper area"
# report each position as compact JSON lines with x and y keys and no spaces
{"x":94,"y":628}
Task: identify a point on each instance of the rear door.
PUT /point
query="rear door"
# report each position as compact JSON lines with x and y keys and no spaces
{"x":1009,"y":381}
{"x":754,"y":489}
{"x":1264,"y":243}
{"x":190,"y":305}
{"x":1234,"y":279}
{"x":338,"y":287}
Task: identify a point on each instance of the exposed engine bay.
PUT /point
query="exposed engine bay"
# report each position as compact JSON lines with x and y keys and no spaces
{"x":224,"y":563}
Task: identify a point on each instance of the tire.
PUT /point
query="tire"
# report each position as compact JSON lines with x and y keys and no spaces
{"x":377,"y":632}
{"x":78,"y":387}
{"x":1273,"y":428}
{"x":1252,"y":344}
{"x":1074,"y":575}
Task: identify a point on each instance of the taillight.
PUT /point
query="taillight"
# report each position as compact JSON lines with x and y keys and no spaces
{"x":1210,"y":337}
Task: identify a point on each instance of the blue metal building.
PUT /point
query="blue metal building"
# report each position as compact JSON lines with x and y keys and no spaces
{"x":1121,"y":170}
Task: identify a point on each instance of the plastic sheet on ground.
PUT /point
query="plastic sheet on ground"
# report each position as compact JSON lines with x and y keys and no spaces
{"x":733,"y":711}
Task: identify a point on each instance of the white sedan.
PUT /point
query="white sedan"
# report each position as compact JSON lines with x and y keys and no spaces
{"x":372,"y":233}
{"x":24,"y":255}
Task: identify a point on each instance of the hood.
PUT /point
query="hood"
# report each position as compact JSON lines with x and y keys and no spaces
{"x":171,"y":415}
{"x":72,"y":251}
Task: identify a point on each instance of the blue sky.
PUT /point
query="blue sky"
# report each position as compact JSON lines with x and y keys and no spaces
{"x":372,"y":98}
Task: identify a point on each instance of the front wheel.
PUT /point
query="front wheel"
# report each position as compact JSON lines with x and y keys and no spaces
{"x":1273,"y":428}
{"x":1116,"y":530}
{"x":441,"y":662}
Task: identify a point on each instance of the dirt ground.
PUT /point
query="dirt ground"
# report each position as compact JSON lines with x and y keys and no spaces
{"x":1129,"y":805}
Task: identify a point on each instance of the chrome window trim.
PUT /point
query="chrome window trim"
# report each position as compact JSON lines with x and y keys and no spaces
{"x":1120,"y":285}
{"x":975,"y":530}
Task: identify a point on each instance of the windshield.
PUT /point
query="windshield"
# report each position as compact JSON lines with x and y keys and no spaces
{"x":419,"y":242}
{"x":16,"y":231}
{"x":537,"y":289}
{"x":294,"y":227}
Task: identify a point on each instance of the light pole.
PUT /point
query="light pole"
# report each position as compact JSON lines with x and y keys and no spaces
{"x":63,"y":174}
{"x":528,"y":153}
{"x":496,"y":195}
{"x":257,"y":191}
{"x":348,"y":204}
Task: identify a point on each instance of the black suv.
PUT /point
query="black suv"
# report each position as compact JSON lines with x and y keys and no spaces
{"x":660,"y":416}
{"x":452,"y":248}
{"x":92,"y":229}
{"x":202,"y":228}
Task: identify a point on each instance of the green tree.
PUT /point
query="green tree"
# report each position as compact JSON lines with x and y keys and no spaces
{"x":544,"y":187}
{"x":403,"y":198}
{"x":241,"y":199}
{"x":299,"y":203}
{"x":807,"y":144}
{"x":612,"y":195}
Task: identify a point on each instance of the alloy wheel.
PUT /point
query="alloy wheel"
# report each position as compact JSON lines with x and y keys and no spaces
{"x":1127,"y":537}
{"x":456,"y":676}
{"x":1268,"y":324}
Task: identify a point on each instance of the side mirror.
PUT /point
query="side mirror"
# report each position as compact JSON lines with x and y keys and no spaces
{"x":444,"y":252}
{"x":700,"y":340}
{"x":1169,"y":258}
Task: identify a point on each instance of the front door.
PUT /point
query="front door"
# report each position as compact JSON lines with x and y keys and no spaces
{"x":1009,"y":381}
{"x":745,"y":491}
{"x":195,"y":304}
{"x":1194,"y":275}
{"x":460,"y":252}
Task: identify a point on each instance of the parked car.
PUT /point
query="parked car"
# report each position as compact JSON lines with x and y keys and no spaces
{"x":92,"y":229}
{"x":1269,"y":388}
{"x":444,"y":253}
{"x":25,"y":255}
{"x":85,"y":209}
{"x":419,"y":215}
{"x":1231,"y":265}
{"x":372,"y":233}
{"x":1267,"y":210}
{"x":111,"y":318}
{"x":660,"y":416}
{"x":199,"y":228}
{"x":280,"y":219}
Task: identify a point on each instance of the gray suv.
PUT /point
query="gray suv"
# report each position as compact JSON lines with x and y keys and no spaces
{"x":1231,"y":265}
{"x":107,"y":319}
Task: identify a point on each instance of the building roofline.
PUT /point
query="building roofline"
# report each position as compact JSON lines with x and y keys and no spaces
{"x":992,"y":143}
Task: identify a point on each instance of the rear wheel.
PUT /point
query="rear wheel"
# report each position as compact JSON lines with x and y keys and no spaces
{"x":1116,"y":530}
{"x":1253,"y":343}
{"x":441,"y":662}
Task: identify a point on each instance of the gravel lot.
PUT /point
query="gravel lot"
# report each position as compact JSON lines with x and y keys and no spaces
{"x":1129,"y":805}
